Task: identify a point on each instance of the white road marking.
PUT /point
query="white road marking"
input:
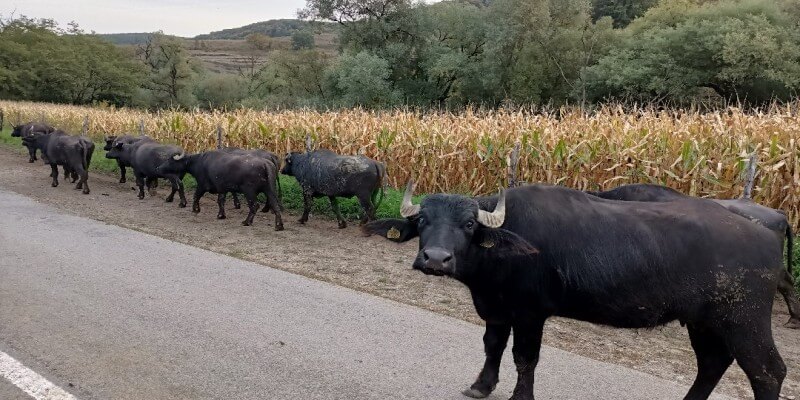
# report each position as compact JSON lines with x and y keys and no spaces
{"x":30,"y":382}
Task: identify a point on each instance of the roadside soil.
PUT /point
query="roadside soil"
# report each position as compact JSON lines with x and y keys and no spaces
{"x":344,"y":257}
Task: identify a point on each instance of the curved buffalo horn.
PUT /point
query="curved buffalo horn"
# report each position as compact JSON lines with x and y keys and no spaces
{"x":495,"y":218}
{"x":178,"y":157}
{"x":408,"y":210}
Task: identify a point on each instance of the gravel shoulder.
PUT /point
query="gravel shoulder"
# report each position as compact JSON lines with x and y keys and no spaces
{"x":373,"y":265}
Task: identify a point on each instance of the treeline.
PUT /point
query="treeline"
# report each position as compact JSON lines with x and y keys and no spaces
{"x":446,"y":54}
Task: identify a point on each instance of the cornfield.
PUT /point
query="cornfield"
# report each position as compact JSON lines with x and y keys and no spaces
{"x":699,"y":153}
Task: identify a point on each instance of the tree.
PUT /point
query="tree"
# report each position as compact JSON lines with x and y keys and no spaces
{"x":220,"y":91}
{"x":259,"y":41}
{"x":740,"y":50}
{"x":170,"y":71}
{"x":621,"y":11}
{"x":363,"y":80}
{"x":302,"y":40}
{"x":39,"y":61}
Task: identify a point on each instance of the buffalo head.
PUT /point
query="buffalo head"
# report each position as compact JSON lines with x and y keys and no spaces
{"x":451,"y":229}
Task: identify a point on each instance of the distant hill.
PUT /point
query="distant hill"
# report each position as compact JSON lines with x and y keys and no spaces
{"x":273,"y":28}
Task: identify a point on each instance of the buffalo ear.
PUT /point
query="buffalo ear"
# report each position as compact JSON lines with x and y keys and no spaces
{"x":118,"y":146}
{"x":503,"y":242}
{"x":396,"y":230}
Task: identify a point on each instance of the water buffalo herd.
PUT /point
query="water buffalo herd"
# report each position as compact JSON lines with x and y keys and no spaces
{"x":638,"y":256}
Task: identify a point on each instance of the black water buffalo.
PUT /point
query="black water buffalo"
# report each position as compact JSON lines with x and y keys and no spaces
{"x":267,"y":155}
{"x":552,"y":251}
{"x":220,"y":172}
{"x":126,"y":139}
{"x":145,"y":156}
{"x":772,"y":219}
{"x":324,"y":173}
{"x":28,"y":129}
{"x":74,"y":153}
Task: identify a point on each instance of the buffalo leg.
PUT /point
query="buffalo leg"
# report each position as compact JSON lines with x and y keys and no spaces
{"x":177,"y":186}
{"x":151,"y":184}
{"x":252,"y":207}
{"x":527,"y":343}
{"x":307,"y":198}
{"x":198,"y":193}
{"x":271,"y":200}
{"x":786,"y":288}
{"x":713,"y":359}
{"x":221,"y":203}
{"x":84,"y":180}
{"x":335,"y":207}
{"x":368,"y":208}
{"x":31,"y":154}
{"x":140,"y":183}
{"x":236,"y":203}
{"x":494,"y":343}
{"x":755,"y":352}
{"x":54,"y":174}
{"x":122,"y":178}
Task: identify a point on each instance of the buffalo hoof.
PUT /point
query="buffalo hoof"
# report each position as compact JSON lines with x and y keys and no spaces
{"x":302,"y":221}
{"x":183,"y":205}
{"x":246,"y":223}
{"x":342,"y":224}
{"x":86,"y":191}
{"x":221,"y":216}
{"x":265,"y":209}
{"x":31,"y":161}
{"x":237,"y":206}
{"x":54,"y":184}
{"x":169,"y":199}
{"x":278,"y":228}
{"x":475,"y":393}
{"x":140,"y":197}
{"x":794,"y":323}
{"x":122,"y":180}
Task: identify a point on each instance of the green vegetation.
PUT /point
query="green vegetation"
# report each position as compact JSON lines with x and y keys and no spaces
{"x":446,"y":54}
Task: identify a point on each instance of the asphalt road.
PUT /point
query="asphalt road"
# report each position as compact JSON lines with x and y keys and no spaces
{"x":110,"y":313}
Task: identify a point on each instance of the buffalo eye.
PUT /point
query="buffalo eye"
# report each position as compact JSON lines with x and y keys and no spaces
{"x":420,"y":221}
{"x":470,"y":224}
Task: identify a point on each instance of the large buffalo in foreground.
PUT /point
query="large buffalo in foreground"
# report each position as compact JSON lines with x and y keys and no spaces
{"x":74,"y":153}
{"x":220,"y":172}
{"x":28,"y":129}
{"x":774,"y":220}
{"x":324,"y":173}
{"x":540,"y":251}
{"x":126,"y":139}
{"x":145,"y":156}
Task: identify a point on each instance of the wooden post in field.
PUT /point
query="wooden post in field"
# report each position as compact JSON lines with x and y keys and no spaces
{"x":219,"y":136}
{"x":309,"y":143}
{"x":42,"y":118}
{"x":141,"y":127}
{"x":85,"y":130}
{"x":512,"y":161}
{"x":19,"y":119}
{"x":751,"y":176}
{"x":2,"y":118}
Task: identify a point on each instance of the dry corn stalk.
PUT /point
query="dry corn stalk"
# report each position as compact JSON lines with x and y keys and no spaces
{"x":699,"y":153}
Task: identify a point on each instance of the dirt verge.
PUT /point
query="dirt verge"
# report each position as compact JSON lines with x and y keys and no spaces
{"x":343,"y":257}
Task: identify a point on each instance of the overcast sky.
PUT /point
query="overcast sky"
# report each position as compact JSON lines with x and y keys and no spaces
{"x":176,"y":17}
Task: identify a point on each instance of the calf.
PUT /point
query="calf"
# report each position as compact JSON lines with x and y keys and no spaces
{"x":324,"y":173}
{"x":28,"y":129}
{"x":540,"y":251}
{"x":774,"y":220}
{"x":220,"y":172}
{"x":144,"y":157}
{"x":72,"y":152}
